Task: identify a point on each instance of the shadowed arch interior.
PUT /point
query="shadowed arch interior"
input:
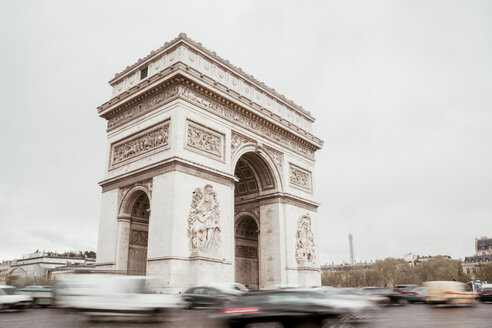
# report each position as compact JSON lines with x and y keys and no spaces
{"x":139,"y":230}
{"x":254,"y":176}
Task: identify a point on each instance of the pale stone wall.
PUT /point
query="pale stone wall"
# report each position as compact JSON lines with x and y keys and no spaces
{"x":108,"y":229}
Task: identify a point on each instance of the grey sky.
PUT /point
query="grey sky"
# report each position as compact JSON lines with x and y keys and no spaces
{"x":401,"y":91}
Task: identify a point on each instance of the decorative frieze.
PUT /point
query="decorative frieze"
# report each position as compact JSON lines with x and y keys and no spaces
{"x":230,"y":112}
{"x":143,"y":107}
{"x":137,"y":146}
{"x":300,"y":178}
{"x":305,"y":245}
{"x":204,"y":222}
{"x":205,"y":140}
{"x":278,"y":158}
{"x":240,"y":117}
{"x":246,"y":251}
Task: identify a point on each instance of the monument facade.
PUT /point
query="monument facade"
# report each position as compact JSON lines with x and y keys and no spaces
{"x":209,"y":175}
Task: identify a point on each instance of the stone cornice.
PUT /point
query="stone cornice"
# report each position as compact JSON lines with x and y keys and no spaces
{"x":162,"y":167}
{"x":236,"y":112}
{"x":139,"y":92}
{"x":282,"y":197}
{"x":198,"y":48}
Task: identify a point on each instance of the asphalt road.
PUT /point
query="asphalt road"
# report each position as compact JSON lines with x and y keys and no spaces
{"x":412,"y":315}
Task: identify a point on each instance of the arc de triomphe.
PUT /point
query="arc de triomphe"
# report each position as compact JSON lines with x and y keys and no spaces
{"x":209,"y":175}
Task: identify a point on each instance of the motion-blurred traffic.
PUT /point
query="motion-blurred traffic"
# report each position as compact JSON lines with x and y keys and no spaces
{"x":99,"y":296}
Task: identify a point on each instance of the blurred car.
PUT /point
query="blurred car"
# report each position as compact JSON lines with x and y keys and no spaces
{"x":284,"y":308}
{"x":389,"y":297}
{"x":41,"y":295}
{"x":404,"y":289}
{"x":233,"y":288}
{"x":416,"y":295}
{"x":448,"y":292}
{"x":486,"y":294}
{"x":10,"y":299}
{"x":115,"y":295}
{"x":359,"y":293}
{"x":206,"y":296}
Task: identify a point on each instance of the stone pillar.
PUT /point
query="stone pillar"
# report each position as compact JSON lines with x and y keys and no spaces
{"x":123,"y":243}
{"x":272,"y":245}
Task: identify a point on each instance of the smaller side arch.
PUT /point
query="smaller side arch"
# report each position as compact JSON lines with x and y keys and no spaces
{"x":129,"y":199}
{"x":238,"y":217}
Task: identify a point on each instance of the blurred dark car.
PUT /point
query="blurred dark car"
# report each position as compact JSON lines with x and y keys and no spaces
{"x":206,"y":297}
{"x":486,"y":294}
{"x":284,"y":308}
{"x":390,"y":297}
{"x":404,"y":289}
{"x":416,"y":295}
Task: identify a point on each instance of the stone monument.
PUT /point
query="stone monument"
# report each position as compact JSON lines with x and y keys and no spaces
{"x":209,"y":175}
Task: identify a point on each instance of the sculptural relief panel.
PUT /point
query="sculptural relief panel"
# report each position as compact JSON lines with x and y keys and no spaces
{"x":305,"y":245}
{"x":139,"y":237}
{"x":205,"y":140}
{"x":238,"y":141}
{"x":204,"y":222}
{"x":139,"y":145}
{"x":300,"y":178}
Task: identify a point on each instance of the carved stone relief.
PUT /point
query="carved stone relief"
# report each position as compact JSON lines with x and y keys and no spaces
{"x":305,"y":246}
{"x":143,"y":107}
{"x":232,"y":113}
{"x":205,"y":140}
{"x":238,"y":140}
{"x":278,"y":158}
{"x":148,"y":140}
{"x":300,"y":178}
{"x":246,"y":251}
{"x":139,"y":237}
{"x":204,"y":222}
{"x":245,"y":121}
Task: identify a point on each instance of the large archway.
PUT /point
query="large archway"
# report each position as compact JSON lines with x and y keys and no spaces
{"x":255,"y":178}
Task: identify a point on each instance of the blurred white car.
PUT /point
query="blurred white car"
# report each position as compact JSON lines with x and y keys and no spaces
{"x":9,"y":299}
{"x":114,"y":295}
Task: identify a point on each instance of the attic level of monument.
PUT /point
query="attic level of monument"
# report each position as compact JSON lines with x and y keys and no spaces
{"x":179,"y":86}
{"x":186,"y":57}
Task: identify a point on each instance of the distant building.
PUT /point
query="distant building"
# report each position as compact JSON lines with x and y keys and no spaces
{"x":71,"y":269}
{"x":4,"y":269}
{"x":417,"y":259}
{"x":38,"y":265}
{"x":473,"y":265}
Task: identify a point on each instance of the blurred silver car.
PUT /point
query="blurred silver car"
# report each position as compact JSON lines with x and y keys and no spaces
{"x":114,"y":295}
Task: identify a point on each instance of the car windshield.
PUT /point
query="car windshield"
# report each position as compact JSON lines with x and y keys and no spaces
{"x":7,"y":291}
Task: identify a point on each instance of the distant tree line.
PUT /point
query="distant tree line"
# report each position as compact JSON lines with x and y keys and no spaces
{"x":391,"y":272}
{"x":82,"y":254}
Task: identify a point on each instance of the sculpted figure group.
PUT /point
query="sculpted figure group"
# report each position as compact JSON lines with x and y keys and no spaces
{"x":305,"y":246}
{"x":203,"y":222}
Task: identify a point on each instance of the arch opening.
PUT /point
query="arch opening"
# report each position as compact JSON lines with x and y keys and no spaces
{"x":139,"y":211}
{"x":246,"y":248}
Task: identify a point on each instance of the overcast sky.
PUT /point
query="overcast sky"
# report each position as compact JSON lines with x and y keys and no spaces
{"x":401,"y":91}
